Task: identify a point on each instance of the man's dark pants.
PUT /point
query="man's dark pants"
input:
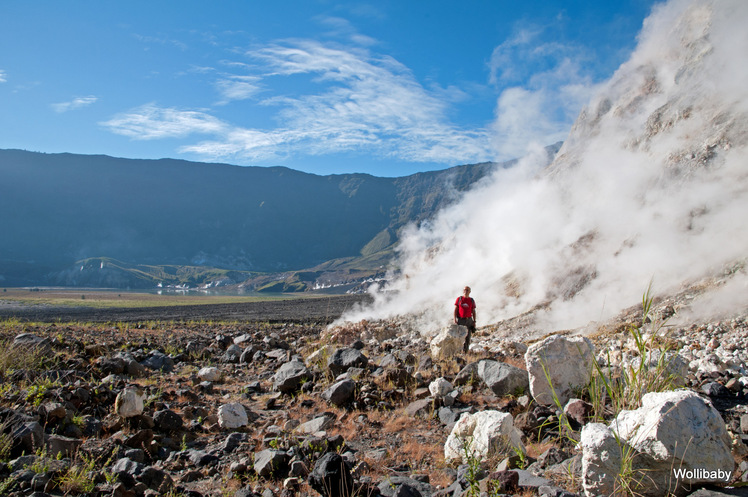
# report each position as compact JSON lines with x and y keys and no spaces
{"x":470,"y":325}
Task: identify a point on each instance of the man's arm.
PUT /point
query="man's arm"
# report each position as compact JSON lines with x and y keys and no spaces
{"x":457,"y":313}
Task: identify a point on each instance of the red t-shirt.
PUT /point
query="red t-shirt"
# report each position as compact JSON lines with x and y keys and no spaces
{"x":465,"y":306}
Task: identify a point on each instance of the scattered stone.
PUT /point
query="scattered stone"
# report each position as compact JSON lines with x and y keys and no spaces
{"x":232,"y":416}
{"x":167,"y":421}
{"x":344,"y":359}
{"x":482,"y":435}
{"x":212,"y":374}
{"x":290,"y":377}
{"x":449,"y":342}
{"x":129,"y":402}
{"x":341,"y":393}
{"x":503,"y":379}
{"x":331,"y":477}
{"x":567,"y":361}
{"x":440,"y":387}
{"x":159,"y":361}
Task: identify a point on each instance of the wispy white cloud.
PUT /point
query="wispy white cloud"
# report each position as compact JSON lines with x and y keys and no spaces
{"x":74,"y":104}
{"x":366,"y":103}
{"x":237,"y":88}
{"x":150,"y":122}
{"x":357,"y":100}
{"x":3,"y":77}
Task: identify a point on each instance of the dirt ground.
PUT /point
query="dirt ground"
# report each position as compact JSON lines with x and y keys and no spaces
{"x":322,"y":310}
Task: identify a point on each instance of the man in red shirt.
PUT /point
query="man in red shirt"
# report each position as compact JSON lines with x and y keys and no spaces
{"x":465,"y":314}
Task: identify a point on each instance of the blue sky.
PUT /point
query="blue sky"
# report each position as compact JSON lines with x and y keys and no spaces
{"x":388,"y":88}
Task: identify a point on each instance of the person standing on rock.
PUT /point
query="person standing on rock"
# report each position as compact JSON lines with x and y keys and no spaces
{"x":465,"y":314}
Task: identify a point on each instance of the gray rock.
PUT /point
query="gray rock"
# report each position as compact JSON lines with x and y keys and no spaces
{"x":156,"y":479}
{"x":167,"y":420}
{"x":341,"y":393}
{"x":291,"y":376}
{"x":503,"y":379}
{"x":527,"y":479}
{"x":159,"y":361}
{"x":346,"y":358}
{"x":27,"y":438}
{"x":231,"y":416}
{"x":233,"y":441}
{"x":319,"y":423}
{"x":331,"y":476}
{"x":467,"y":375}
{"x":232,"y":354}
{"x":389,"y":486}
{"x":271,"y":463}
{"x":128,"y":466}
{"x":247,"y":355}
{"x":135,"y":369}
{"x":423,"y":408}
{"x":31,"y":341}
{"x":111,"y":365}
{"x":201,"y":458}
{"x":64,"y":446}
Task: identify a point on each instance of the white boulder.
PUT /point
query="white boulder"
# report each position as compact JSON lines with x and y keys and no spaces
{"x":567,"y":362}
{"x":129,"y":402}
{"x":601,"y":460}
{"x":209,"y":373}
{"x":481,"y":435}
{"x":449,"y":342}
{"x":675,"y":440}
{"x":231,"y":416}
{"x":440,"y":387}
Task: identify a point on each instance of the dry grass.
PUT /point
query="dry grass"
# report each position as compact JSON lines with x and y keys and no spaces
{"x":399,"y":423}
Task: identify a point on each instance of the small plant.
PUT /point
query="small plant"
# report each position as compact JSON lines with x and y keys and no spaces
{"x":41,"y":462}
{"x":37,"y":391}
{"x":6,"y":442}
{"x":564,"y":426}
{"x":77,"y":478}
{"x":650,"y":372}
{"x":7,"y":484}
{"x":474,"y":469}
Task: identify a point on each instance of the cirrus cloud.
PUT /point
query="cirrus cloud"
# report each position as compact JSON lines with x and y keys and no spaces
{"x":76,"y":103}
{"x":150,"y":122}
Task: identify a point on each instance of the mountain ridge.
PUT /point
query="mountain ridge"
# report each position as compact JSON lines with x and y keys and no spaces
{"x":69,"y":208}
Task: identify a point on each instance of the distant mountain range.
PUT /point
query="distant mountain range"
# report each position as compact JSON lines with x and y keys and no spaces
{"x":95,"y":220}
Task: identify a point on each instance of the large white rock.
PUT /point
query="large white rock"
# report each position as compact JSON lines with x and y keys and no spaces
{"x":209,"y":373}
{"x":601,"y":460}
{"x":566,"y":361}
{"x":481,"y":435}
{"x":676,"y":439}
{"x":129,"y":402}
{"x":231,"y":416}
{"x":440,"y":387}
{"x":449,"y":342}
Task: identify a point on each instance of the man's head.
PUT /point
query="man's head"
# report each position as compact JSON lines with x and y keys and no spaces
{"x":466,"y":291}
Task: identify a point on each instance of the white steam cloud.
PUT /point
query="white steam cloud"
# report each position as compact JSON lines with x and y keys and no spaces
{"x":651,"y":185}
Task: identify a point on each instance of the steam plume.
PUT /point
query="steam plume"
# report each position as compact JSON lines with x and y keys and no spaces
{"x":651,"y":185}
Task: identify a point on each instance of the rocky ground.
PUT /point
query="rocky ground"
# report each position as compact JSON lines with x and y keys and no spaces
{"x":245,"y":403}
